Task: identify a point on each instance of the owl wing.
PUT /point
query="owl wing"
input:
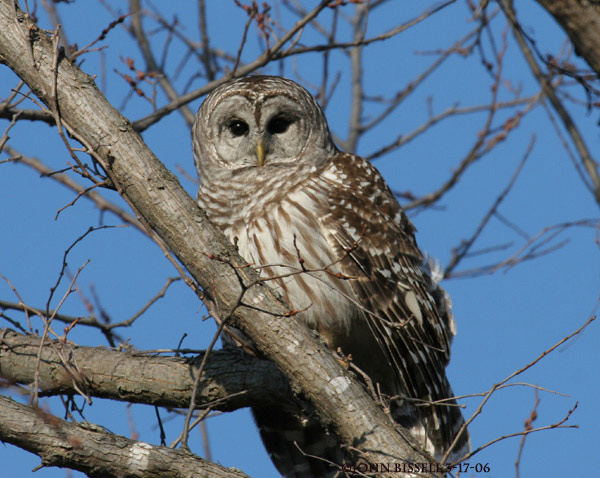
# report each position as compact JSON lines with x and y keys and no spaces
{"x":380,"y":257}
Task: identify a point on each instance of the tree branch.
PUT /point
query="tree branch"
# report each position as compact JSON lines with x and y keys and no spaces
{"x":589,"y":163}
{"x":96,"y":452}
{"x":137,"y":31}
{"x":581,"y":21}
{"x":267,"y":57}
{"x":231,"y":379}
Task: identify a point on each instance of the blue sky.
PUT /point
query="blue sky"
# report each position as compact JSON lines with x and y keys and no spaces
{"x":505,"y":320}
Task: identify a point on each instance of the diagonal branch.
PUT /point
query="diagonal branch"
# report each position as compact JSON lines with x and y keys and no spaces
{"x":590,"y":165}
{"x":102,"y":203}
{"x":581,"y":21}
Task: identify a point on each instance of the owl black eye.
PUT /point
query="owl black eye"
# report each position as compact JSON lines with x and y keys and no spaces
{"x":238,"y":127}
{"x":278,"y":125}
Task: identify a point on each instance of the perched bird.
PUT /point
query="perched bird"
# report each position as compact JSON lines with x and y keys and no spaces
{"x":324,"y":229}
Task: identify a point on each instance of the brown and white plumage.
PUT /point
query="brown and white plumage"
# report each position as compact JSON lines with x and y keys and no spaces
{"x":327,"y":232}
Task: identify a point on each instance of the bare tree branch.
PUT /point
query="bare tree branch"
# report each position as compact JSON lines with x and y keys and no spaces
{"x":459,"y":252}
{"x":152,"y":66}
{"x":102,"y":203}
{"x":231,"y":379}
{"x":502,"y":382}
{"x":27,"y":114}
{"x":96,"y":452}
{"x":270,"y":55}
{"x":581,"y":21}
{"x":590,"y":165}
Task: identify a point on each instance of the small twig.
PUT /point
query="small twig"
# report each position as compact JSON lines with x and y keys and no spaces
{"x":5,"y":136}
{"x":200,"y":370}
{"x":152,"y":66}
{"x":521,"y":254}
{"x":524,"y":433}
{"x":496,"y":386}
{"x":102,"y":36}
{"x":47,"y":322}
{"x":80,"y":194}
{"x":55,"y":107}
{"x":64,"y":263}
{"x":206,"y":54}
{"x":461,"y":251}
{"x":528,"y":428}
{"x":238,"y":56}
{"x":205,"y":440}
{"x":163,"y":435}
{"x":359,"y":28}
{"x":22,"y":304}
{"x":188,"y":427}
{"x":54,"y":17}
{"x":13,"y":93}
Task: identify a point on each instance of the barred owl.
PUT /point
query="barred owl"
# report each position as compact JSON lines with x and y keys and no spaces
{"x":324,"y":230}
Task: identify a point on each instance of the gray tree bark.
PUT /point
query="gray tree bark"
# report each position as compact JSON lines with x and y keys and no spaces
{"x":95,"y":451}
{"x":580,"y":19}
{"x":231,"y":379}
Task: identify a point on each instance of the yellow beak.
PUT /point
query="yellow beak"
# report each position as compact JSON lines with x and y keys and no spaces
{"x":260,"y":152}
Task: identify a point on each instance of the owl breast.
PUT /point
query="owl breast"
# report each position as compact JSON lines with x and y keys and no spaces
{"x":281,"y":236}
{"x":286,"y":244}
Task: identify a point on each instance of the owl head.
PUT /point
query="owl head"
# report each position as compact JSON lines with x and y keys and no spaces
{"x":259,"y":122}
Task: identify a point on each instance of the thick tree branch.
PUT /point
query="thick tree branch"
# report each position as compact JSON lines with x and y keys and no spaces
{"x":156,"y":196}
{"x":27,"y":114}
{"x":96,"y":452}
{"x":231,"y":378}
{"x":581,"y":21}
{"x":589,"y":163}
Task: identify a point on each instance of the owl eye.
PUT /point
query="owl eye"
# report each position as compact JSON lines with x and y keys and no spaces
{"x":238,"y":127}
{"x":279,"y":125}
